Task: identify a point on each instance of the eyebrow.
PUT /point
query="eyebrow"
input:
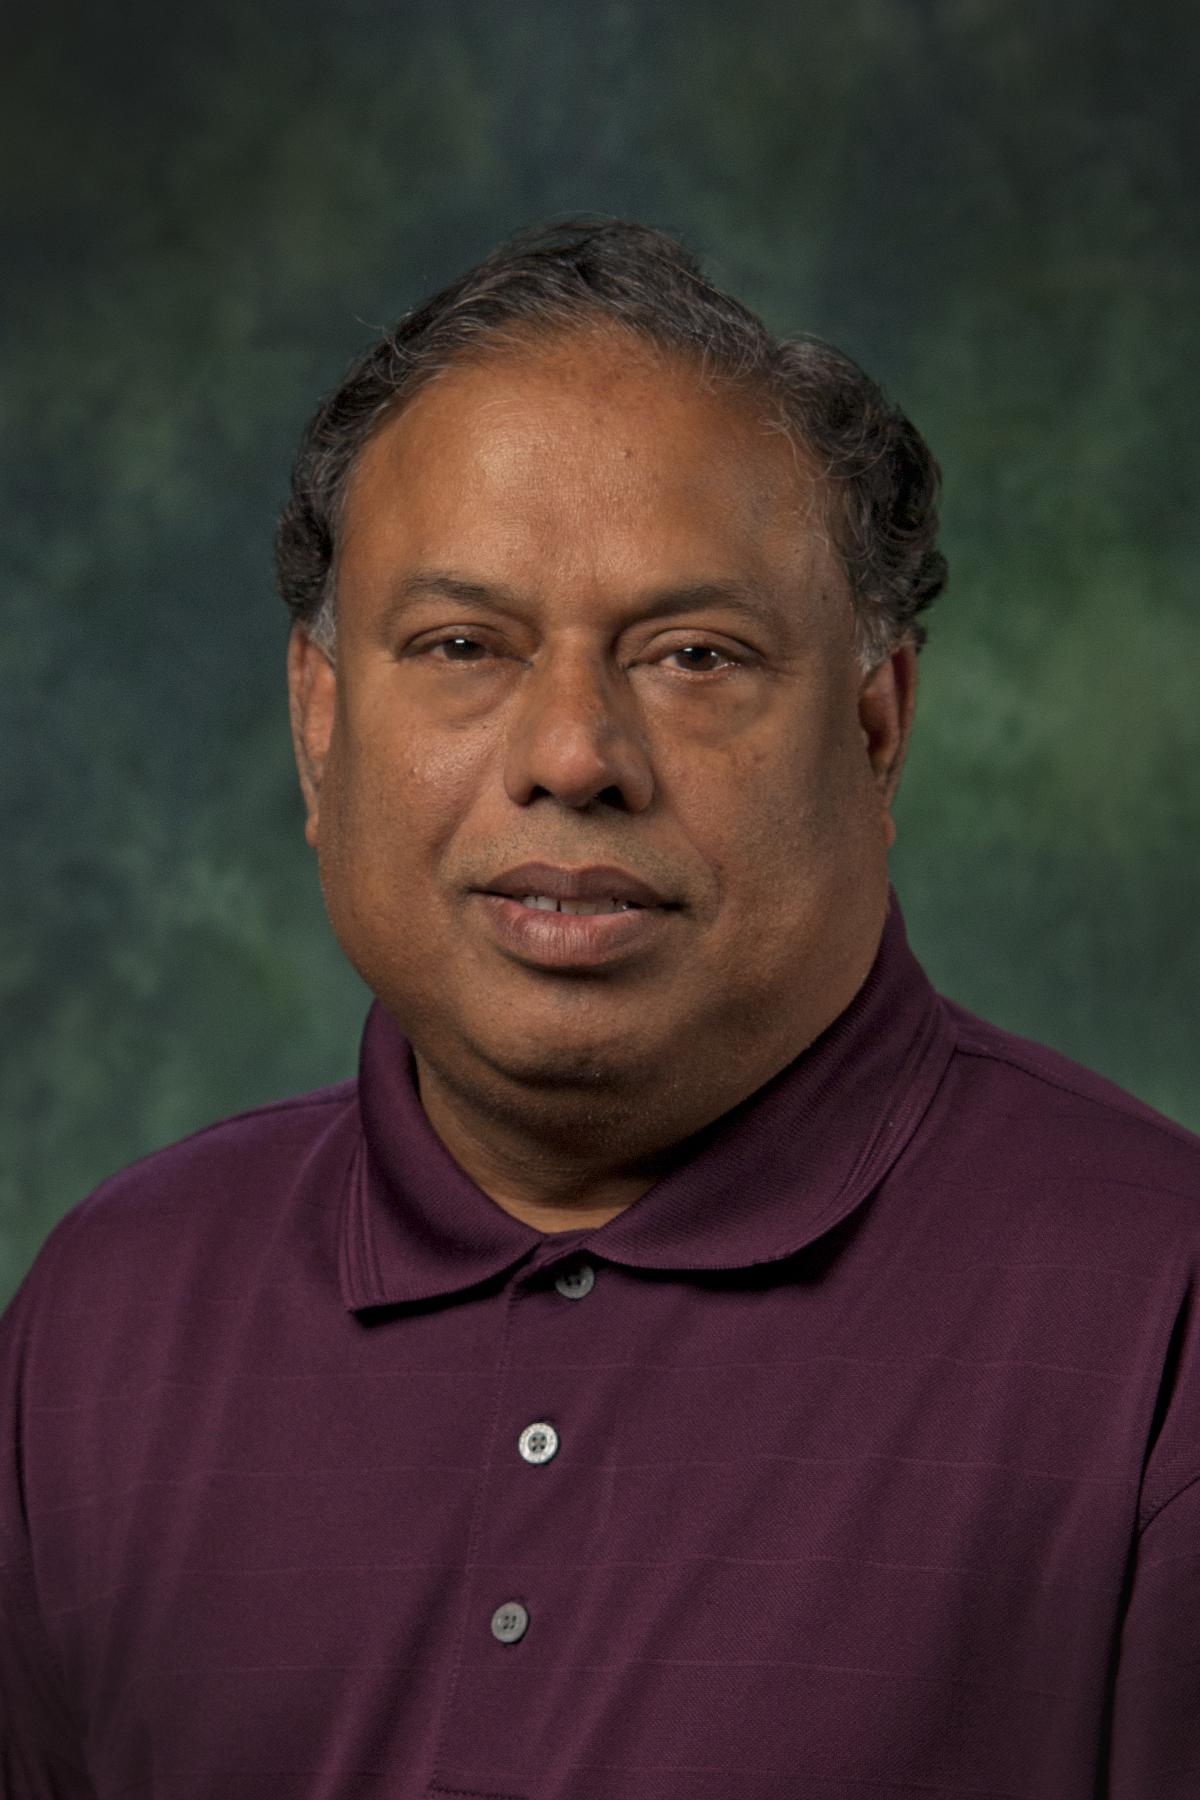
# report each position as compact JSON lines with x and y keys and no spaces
{"x":748,"y":600}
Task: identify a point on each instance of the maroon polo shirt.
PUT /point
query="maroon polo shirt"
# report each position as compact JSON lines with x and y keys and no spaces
{"x":857,"y":1460}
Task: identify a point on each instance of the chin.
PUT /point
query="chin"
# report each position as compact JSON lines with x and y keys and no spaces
{"x":545,"y":1048}
{"x":553,"y":1041}
{"x":559,"y":1066}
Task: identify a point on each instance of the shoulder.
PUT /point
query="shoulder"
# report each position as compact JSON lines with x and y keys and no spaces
{"x":1014,"y":1104}
{"x":233,"y":1159}
{"x":207,"y":1198}
{"x":1077,"y":1208}
{"x":236,"y":1144}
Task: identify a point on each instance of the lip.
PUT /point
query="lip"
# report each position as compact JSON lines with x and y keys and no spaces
{"x":599,"y":881}
{"x":554,"y":940}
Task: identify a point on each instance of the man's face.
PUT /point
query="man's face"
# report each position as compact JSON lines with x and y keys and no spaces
{"x":589,"y":618}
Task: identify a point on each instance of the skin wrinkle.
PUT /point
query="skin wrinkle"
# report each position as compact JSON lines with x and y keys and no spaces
{"x":757,"y":798}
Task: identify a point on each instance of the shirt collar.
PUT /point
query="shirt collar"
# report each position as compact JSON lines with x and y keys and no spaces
{"x":760,"y":1183}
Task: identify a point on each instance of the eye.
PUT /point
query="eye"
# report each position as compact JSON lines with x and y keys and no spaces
{"x":456,"y":650}
{"x":701,"y":659}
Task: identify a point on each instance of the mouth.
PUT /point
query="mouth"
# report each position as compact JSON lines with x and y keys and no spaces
{"x":578,"y":908}
{"x":543,"y":931}
{"x":598,"y":888}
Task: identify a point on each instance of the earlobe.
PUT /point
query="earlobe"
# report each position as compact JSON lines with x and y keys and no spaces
{"x":312,"y":688}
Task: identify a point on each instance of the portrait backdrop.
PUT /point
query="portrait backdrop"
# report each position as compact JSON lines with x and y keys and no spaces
{"x":991,"y":204}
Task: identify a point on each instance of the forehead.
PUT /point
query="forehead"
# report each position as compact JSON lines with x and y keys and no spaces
{"x":591,"y":455}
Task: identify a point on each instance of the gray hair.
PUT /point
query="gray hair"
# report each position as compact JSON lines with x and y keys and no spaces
{"x":881,"y":480}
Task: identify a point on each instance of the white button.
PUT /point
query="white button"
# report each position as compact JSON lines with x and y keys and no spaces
{"x":576,"y":1282}
{"x":538,"y":1443}
{"x":510,"y":1622}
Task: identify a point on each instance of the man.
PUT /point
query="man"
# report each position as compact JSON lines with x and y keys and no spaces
{"x":692,"y":1359}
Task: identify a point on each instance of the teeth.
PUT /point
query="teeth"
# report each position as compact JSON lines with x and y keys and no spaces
{"x":547,"y":903}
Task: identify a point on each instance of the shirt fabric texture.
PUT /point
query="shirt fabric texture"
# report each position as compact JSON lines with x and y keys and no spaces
{"x":875,"y":1477}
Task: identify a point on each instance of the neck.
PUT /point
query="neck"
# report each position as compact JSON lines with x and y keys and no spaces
{"x":545,"y":1179}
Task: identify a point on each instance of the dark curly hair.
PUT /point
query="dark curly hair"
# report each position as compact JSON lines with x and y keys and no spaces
{"x":880,"y":476}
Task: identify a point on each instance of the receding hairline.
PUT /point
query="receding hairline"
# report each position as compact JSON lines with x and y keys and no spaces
{"x":646,"y":288}
{"x":550,"y":343}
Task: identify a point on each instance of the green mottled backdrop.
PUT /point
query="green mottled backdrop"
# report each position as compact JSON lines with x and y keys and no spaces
{"x":991,"y":203}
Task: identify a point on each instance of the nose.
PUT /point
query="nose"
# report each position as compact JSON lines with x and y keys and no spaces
{"x":574,"y":735}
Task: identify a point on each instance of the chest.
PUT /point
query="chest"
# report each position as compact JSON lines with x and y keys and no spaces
{"x":655,"y":1536}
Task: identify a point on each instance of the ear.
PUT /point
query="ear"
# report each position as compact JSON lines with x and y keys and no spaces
{"x":886,"y":702}
{"x":312,"y":691}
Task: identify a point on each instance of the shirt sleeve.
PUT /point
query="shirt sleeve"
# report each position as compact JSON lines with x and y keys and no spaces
{"x":1155,"y":1752}
{"x":40,"y":1750}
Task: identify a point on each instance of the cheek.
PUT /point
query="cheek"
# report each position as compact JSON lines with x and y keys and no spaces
{"x":789,"y":830}
{"x":402,"y":780}
{"x":776,"y":800}
{"x":389,"y":801}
